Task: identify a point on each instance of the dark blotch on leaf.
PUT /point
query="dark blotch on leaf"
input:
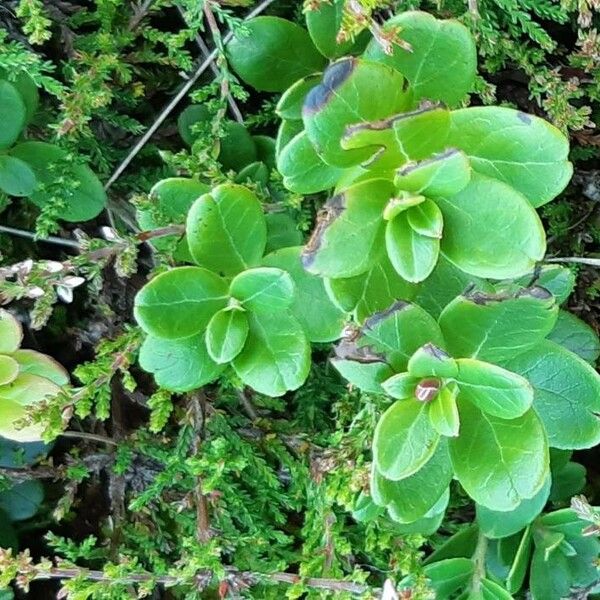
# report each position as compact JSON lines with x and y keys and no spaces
{"x":333,"y":208}
{"x":482,"y":299}
{"x":412,"y":165}
{"x":333,"y":77}
{"x":384,"y":314}
{"x":436,"y":352}
{"x":524,"y":117}
{"x":536,"y":291}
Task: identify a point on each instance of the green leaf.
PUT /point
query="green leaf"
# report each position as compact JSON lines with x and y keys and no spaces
{"x":263,"y":288}
{"x":413,"y":496}
{"x":577,"y":336}
{"x":42,"y":365}
{"x":16,"y":178}
{"x":25,"y":390}
{"x":27,"y":90}
{"x":559,"y":281}
{"x":443,"y":285}
{"x":190,"y":116}
{"x":413,"y":135}
{"x":282,"y":232}
{"x":179,"y":365}
{"x":11,"y":333}
{"x":496,"y":524}
{"x":567,"y":482}
{"x":236,"y":148}
{"x":370,"y":292}
{"x":492,"y":389}
{"x":445,"y":174}
{"x":524,"y":151}
{"x":291,"y":101}
{"x":180,"y":303}
{"x":366,"y":376}
{"x":324,"y":24}
{"x":499,"y":462}
{"x":226,"y":229}
{"x":431,"y":361}
{"x":566,"y":394}
{"x":461,"y":545}
{"x":510,"y":248}
{"x":520,"y":563}
{"x":401,"y":386}
{"x":399,"y":331}
{"x":23,"y":500}
{"x":443,"y":411}
{"x":349,"y":235}
{"x":497,"y":327}
{"x":276,"y":356}
{"x":84,"y":198}
{"x":13,"y":113}
{"x":352,"y":91}
{"x":172,"y":198}
{"x":286,"y":133}
{"x":9,"y":369}
{"x":426,"y":219}
{"x":270,"y":54}
{"x":437,"y":46}
{"x":424,"y":526}
{"x":448,"y":576}
{"x":14,"y":455}
{"x":365,"y":510}
{"x":226,"y":335}
{"x":303,"y":170}
{"x":320,"y":318}
{"x":412,"y":254}
{"x":404,"y":440}
{"x":490,"y":590}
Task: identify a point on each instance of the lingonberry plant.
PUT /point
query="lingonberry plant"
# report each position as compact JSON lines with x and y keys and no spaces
{"x":422,"y":285}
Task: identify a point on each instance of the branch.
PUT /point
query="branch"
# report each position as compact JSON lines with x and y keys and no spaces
{"x":582,"y":260}
{"x":175,"y":101}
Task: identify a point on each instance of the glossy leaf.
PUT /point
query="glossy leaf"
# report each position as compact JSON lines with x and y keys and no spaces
{"x":276,"y":356}
{"x":226,"y":335}
{"x":431,"y":361}
{"x":445,"y":174}
{"x":499,"y":462}
{"x":263,"y":288}
{"x":492,"y":389}
{"x":324,"y":22}
{"x":401,"y":386}
{"x":22,"y":501}
{"x":404,"y":440}
{"x":9,"y":369}
{"x":448,"y":576}
{"x":291,"y":101}
{"x":303,"y":170}
{"x":83,"y":201}
{"x":179,"y":365}
{"x":415,"y":495}
{"x":270,"y":54}
{"x":577,"y":336}
{"x":25,"y":390}
{"x":398,"y":332}
{"x":558,"y":280}
{"x":497,"y":327}
{"x":510,"y":248}
{"x":426,"y":219}
{"x":16,"y":177}
{"x":226,"y":229}
{"x":236,"y":148}
{"x":27,"y":89}
{"x":172,"y":198}
{"x":320,"y":318}
{"x":520,"y":563}
{"x":496,"y":524}
{"x":425,"y":526}
{"x":412,"y":254}
{"x":339,"y":101}
{"x":349,"y":235}
{"x":566,"y":394}
{"x":13,"y":113}
{"x":567,"y":482}
{"x":11,"y":333}
{"x":443,"y":411}
{"x":42,"y":365}
{"x":180,"y":303}
{"x":282,"y":232}
{"x":436,"y":46}
{"x":524,"y":151}
{"x":372,"y":291}
{"x":366,"y":376}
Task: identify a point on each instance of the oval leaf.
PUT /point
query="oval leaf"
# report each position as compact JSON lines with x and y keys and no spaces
{"x":9,"y":369}
{"x":12,"y":114}
{"x":263,"y":288}
{"x":11,"y":333}
{"x":226,"y":335}
{"x":16,"y":178}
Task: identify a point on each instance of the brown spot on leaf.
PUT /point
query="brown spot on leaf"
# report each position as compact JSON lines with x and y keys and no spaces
{"x":427,"y":389}
{"x":524,"y":117}
{"x":373,"y":320}
{"x":436,"y":352}
{"x":333,"y":77}
{"x":411,"y":166}
{"x":333,"y":208}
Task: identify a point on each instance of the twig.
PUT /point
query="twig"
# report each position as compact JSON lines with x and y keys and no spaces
{"x":248,"y":406}
{"x":473,"y":8}
{"x":582,"y":260}
{"x":196,"y":402}
{"x":89,"y":436}
{"x":175,"y":101}
{"x":51,"y":239}
{"x":235,"y":110}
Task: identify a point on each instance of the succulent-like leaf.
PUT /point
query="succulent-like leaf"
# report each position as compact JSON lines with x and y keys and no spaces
{"x":13,"y":113}
{"x":16,"y":177}
{"x":226,"y":335}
